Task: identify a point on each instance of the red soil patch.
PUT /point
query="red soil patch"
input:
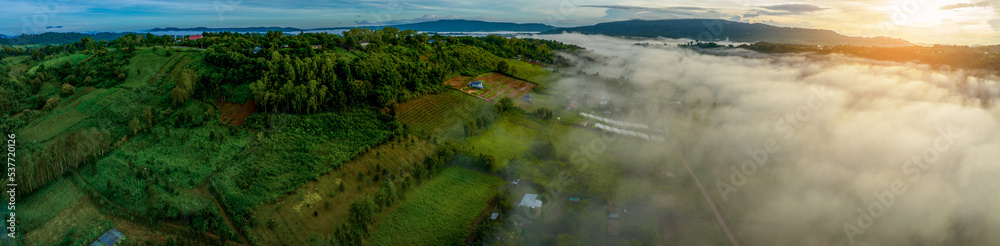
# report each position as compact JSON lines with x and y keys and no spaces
{"x":507,"y":86}
{"x":235,"y":114}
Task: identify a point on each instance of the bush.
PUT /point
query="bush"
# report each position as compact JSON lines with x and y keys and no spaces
{"x":67,"y":89}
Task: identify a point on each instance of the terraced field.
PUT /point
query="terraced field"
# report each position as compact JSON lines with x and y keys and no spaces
{"x":442,"y":116}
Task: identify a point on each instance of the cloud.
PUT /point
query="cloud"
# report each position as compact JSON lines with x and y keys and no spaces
{"x":965,"y":5}
{"x":845,"y":130}
{"x":795,"y":8}
{"x":784,"y":9}
{"x":620,"y":12}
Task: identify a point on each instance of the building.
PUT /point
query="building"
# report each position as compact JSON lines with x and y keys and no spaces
{"x":477,"y":84}
{"x":531,"y":201}
{"x":110,"y":238}
{"x":494,"y":215}
{"x":316,"y":46}
{"x":528,"y":98}
{"x":364,"y":43}
{"x":195,"y":37}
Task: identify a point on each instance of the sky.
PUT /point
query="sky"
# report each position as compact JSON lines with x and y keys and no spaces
{"x":966,"y":22}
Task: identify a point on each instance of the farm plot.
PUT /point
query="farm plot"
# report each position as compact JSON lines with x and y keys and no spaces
{"x":443,"y":115}
{"x":440,"y":212}
{"x":496,"y":86}
{"x":321,"y":205}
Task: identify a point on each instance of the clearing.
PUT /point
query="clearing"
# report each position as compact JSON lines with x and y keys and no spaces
{"x":440,"y":212}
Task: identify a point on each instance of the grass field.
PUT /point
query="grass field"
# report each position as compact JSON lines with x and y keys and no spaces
{"x":59,"y":61}
{"x":507,"y":139}
{"x":530,"y":72}
{"x":440,"y":212}
{"x":442,"y":116}
{"x":293,"y":214}
{"x":148,"y":65}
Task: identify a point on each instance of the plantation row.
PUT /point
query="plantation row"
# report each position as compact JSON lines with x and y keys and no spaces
{"x":441,"y":116}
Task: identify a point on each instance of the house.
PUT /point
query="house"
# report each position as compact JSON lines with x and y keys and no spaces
{"x":476,"y":84}
{"x":364,"y":43}
{"x":494,"y":215}
{"x":194,"y":37}
{"x":110,"y":238}
{"x":528,"y":98}
{"x":531,"y":201}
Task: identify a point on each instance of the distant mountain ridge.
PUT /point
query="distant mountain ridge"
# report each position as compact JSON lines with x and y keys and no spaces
{"x":229,"y":29}
{"x":719,"y":30}
{"x":430,"y":26}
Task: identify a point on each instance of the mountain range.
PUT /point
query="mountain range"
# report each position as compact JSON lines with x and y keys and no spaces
{"x":695,"y":29}
{"x":720,"y":30}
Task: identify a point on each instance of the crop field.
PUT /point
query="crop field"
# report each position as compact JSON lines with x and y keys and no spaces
{"x":320,"y":206}
{"x":148,"y":66}
{"x":440,"y":212}
{"x":496,"y":85}
{"x":442,"y":116}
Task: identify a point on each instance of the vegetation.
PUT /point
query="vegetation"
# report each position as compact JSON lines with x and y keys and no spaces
{"x":440,"y":212}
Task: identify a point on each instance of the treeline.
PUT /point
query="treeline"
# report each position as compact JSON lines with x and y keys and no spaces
{"x":313,"y":71}
{"x":63,"y":154}
{"x":363,"y":212}
{"x":986,"y":58}
{"x":58,"y":38}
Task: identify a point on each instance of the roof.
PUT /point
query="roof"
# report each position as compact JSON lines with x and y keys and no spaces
{"x":531,"y":201}
{"x":111,"y":237}
{"x":195,"y":37}
{"x":96,"y":243}
{"x":613,"y":216}
{"x":574,"y":199}
{"x":493,"y":216}
{"x":476,"y":83}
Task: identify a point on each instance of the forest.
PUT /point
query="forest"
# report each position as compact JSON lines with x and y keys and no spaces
{"x":127,"y":117}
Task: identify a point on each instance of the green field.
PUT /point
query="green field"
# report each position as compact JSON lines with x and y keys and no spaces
{"x":529,"y":72}
{"x":442,"y":116}
{"x":507,"y":139}
{"x":59,"y":61}
{"x":441,"y":212}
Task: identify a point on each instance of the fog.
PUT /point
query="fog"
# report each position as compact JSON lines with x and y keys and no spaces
{"x":804,"y":149}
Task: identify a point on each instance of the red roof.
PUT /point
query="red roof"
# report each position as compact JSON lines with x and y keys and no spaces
{"x":194,"y":37}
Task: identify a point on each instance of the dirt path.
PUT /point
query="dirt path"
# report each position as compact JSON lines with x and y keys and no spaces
{"x":224,"y":216}
{"x":715,"y":209}
{"x":160,"y":73}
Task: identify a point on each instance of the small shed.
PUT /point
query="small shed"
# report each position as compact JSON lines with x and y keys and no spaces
{"x":494,"y":215}
{"x":477,"y":84}
{"x":528,"y":97}
{"x":110,"y":238}
{"x":531,"y":201}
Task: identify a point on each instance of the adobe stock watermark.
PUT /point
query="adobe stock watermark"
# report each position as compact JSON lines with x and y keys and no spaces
{"x":583,"y":157}
{"x":223,"y":7}
{"x":564,"y":10}
{"x":758,"y":157}
{"x":40,"y":19}
{"x":886,"y":198}
{"x":392,"y":7}
{"x":902,"y":14}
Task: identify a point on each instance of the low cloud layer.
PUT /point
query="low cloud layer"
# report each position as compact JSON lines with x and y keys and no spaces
{"x":820,"y":150}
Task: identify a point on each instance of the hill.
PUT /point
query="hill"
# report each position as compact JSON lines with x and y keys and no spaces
{"x":225,"y":29}
{"x":474,"y":26}
{"x":718,"y":30}
{"x":57,"y":38}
